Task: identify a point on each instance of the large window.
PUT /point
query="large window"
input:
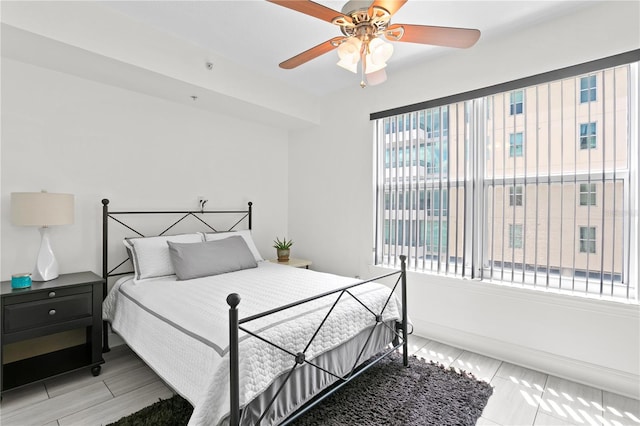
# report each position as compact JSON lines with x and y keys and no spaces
{"x":557,"y":213}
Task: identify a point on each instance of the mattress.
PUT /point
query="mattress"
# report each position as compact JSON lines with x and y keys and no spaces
{"x":180,"y":329}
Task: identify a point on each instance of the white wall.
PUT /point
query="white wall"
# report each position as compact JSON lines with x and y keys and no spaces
{"x":331,"y":199}
{"x":66,"y":134}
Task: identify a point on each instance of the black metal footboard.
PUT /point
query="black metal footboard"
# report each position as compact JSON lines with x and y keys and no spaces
{"x":299,"y":358}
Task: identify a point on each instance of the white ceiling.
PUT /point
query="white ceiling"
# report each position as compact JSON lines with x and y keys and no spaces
{"x":259,"y":35}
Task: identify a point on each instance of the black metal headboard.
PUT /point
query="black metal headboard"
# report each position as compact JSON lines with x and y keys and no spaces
{"x":119,"y":218}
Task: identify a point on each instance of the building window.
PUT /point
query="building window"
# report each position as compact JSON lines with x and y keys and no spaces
{"x":515,"y":144}
{"x":458,"y":211}
{"x":587,"y":239}
{"x":588,"y":135}
{"x":588,"y":89}
{"x":515,"y":236}
{"x":515,"y":195}
{"x":587,"y":194}
{"x":516,"y":102}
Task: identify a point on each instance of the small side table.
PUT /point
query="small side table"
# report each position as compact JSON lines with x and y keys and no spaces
{"x":68,"y":302}
{"x":296,"y":263}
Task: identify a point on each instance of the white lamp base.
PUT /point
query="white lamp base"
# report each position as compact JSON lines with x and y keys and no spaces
{"x":46,"y":266}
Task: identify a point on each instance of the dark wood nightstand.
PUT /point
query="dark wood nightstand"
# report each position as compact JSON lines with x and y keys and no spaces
{"x":71,"y":301}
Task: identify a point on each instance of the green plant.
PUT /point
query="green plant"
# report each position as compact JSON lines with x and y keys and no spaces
{"x":282,"y":245}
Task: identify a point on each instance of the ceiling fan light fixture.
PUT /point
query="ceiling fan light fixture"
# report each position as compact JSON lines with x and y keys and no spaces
{"x":349,"y":54}
{"x":348,"y":65}
{"x":376,"y":77}
{"x":379,"y":54}
{"x":363,"y":23}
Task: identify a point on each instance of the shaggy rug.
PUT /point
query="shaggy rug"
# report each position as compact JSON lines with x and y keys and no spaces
{"x":386,"y":394}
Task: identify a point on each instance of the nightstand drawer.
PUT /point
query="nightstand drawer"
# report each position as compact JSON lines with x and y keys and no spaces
{"x":22,"y":316}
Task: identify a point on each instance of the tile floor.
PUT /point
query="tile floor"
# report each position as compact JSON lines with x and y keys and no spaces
{"x":521,"y":397}
{"x":526,"y":397}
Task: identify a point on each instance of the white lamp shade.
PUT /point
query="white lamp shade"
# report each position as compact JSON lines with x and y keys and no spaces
{"x":41,"y":209}
{"x":379,"y":53}
{"x":349,"y":54}
{"x":376,"y":77}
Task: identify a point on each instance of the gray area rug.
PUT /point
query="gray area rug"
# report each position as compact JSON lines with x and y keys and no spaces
{"x":386,"y":394}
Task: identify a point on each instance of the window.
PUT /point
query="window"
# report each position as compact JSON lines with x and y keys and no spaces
{"x":587,"y":239}
{"x":588,"y":135}
{"x":516,"y":104}
{"x":515,"y":144}
{"x":588,"y":89}
{"x":460,"y":217}
{"x":515,"y":236}
{"x":587,"y":194}
{"x":515,"y":195}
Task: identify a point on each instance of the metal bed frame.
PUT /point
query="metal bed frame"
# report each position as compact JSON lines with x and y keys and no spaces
{"x":236,"y":324}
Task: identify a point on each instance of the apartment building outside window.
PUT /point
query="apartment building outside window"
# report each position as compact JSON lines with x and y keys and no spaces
{"x":516,"y":103}
{"x":515,"y":144}
{"x":587,"y":239}
{"x":515,"y":195}
{"x":515,"y":236}
{"x":484,"y":204}
{"x":588,"y":194}
{"x":588,"y":136}
{"x":588,"y":88}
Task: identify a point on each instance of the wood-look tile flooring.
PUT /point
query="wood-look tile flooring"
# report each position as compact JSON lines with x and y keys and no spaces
{"x":520,"y":396}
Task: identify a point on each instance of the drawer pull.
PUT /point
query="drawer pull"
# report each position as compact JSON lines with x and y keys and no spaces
{"x":52,"y":312}
{"x":52,"y":294}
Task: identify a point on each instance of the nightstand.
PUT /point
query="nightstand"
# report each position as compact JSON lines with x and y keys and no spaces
{"x":71,"y":301}
{"x":296,"y":263}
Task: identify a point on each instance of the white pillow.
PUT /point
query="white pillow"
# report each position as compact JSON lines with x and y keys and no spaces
{"x":244,"y":233}
{"x":150,"y":255}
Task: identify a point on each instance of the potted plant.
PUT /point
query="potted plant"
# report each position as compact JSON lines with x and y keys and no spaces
{"x":283,"y":248}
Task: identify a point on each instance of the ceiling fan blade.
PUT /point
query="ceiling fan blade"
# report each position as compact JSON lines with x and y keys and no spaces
{"x":312,"y":53}
{"x":438,"y":36}
{"x":390,"y":6}
{"x":312,"y":9}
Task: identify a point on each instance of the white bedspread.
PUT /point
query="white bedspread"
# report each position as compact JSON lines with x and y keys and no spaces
{"x":180,"y":328}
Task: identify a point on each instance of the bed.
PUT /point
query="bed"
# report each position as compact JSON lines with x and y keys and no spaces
{"x":245,"y":341}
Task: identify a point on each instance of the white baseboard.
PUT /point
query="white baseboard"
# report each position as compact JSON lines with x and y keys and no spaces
{"x":601,"y":377}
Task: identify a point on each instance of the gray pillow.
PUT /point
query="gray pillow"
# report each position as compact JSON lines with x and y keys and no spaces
{"x":195,"y":260}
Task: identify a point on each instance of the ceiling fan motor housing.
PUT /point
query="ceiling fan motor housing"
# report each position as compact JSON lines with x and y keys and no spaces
{"x":366,"y":22}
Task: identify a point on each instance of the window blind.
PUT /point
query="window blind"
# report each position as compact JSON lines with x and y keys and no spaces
{"x":532,"y":186}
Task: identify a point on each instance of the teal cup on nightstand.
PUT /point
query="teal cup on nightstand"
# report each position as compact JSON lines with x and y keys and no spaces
{"x":21,"y":280}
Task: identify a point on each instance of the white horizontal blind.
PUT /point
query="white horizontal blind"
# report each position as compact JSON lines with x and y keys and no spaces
{"x":531,"y":186}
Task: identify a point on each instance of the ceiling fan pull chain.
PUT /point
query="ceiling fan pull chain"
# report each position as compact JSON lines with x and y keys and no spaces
{"x":363,"y":66}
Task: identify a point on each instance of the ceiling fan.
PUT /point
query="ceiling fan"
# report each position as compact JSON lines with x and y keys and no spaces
{"x":364,"y":23}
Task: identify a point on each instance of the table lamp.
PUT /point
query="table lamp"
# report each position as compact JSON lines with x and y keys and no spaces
{"x":42,"y":209}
